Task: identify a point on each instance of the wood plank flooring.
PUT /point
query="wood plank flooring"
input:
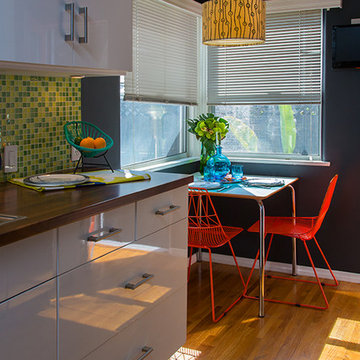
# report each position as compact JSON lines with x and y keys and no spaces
{"x":286,"y":332}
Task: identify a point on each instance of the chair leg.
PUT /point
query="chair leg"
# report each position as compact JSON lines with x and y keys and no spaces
{"x":250,"y":275}
{"x":188,"y":277}
{"x":318,"y":281}
{"x":310,"y":281}
{"x":256,"y":259}
{"x":212,"y":289}
{"x":215,"y":320}
{"x":327,"y":264}
{"x":237,"y":265}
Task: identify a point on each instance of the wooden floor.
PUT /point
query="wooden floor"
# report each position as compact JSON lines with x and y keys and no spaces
{"x":286,"y":332}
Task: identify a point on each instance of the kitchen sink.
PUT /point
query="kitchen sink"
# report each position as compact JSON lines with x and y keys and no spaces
{"x":4,"y":219}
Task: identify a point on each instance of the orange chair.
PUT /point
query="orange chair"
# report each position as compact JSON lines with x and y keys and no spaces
{"x":303,"y":228}
{"x":206,"y":232}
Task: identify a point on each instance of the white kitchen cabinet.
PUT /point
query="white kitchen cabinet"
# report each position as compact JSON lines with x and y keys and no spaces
{"x":97,"y":301}
{"x":63,"y":297}
{"x":158,"y":332}
{"x":80,"y":242}
{"x":34,"y":32}
{"x":28,"y":324}
{"x":109,"y":34}
{"x":160,"y":210}
{"x":27,"y":263}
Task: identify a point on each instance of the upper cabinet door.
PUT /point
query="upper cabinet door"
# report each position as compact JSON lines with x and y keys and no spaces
{"x":34,"y":32}
{"x":103,"y":34}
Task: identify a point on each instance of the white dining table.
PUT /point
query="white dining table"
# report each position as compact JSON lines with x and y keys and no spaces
{"x":259,"y":194}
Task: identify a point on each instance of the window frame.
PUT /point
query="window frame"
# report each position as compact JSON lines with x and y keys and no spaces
{"x":166,"y":159}
{"x":291,"y":159}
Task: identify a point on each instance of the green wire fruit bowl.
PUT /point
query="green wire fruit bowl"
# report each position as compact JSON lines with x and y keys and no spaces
{"x":83,"y":129}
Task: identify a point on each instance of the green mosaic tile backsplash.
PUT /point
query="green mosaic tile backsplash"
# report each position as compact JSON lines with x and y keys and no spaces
{"x":33,"y":111}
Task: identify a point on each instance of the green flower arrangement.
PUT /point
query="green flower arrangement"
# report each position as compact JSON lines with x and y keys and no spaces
{"x":210,"y":130}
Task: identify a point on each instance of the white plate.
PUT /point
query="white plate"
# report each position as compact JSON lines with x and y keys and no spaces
{"x":56,"y":180}
{"x":206,"y":185}
{"x":266,"y":182}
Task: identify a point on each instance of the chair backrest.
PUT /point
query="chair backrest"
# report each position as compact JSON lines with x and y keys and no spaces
{"x":204,"y":225}
{"x":325,"y":205}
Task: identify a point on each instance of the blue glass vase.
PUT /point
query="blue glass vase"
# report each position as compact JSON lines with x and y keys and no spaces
{"x":221,"y":164}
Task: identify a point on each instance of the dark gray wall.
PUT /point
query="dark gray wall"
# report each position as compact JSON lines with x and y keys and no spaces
{"x":339,"y":235}
{"x":100,"y":105}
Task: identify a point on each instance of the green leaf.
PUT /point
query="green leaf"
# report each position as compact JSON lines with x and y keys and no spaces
{"x":288,"y":129}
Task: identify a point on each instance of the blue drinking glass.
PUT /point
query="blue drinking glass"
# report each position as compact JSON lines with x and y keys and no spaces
{"x":237,"y":172}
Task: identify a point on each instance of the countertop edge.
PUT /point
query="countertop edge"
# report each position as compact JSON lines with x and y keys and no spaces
{"x":34,"y":228}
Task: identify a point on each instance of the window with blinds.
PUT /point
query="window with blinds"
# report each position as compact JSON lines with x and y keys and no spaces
{"x":271,"y":93}
{"x":284,"y":70}
{"x":165,"y":54}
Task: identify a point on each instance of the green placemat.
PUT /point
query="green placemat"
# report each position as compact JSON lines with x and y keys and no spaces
{"x":101,"y":177}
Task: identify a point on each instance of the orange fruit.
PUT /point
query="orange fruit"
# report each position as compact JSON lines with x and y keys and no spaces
{"x":88,"y":143}
{"x":99,"y":143}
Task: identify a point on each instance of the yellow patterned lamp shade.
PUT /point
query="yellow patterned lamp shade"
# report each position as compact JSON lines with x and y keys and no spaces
{"x":233,"y":22}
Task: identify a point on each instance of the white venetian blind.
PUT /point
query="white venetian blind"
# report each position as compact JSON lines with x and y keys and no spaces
{"x":284,"y":70}
{"x":277,"y":6}
{"x":165,"y":54}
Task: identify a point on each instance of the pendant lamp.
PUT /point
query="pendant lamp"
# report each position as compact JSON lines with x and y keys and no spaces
{"x":233,"y":22}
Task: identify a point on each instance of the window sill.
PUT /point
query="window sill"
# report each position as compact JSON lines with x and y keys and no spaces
{"x":189,"y":160}
{"x":166,"y":164}
{"x":291,"y":162}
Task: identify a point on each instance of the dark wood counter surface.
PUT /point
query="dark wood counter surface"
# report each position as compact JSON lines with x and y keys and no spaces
{"x":47,"y":210}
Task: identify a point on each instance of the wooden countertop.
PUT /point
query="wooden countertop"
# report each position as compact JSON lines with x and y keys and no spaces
{"x":48,"y":210}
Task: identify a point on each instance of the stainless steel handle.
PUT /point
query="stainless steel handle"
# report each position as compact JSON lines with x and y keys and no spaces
{"x":84,"y":39}
{"x":146,"y":350}
{"x":169,"y":210}
{"x":112,"y":231}
{"x":146,"y":277}
{"x":71,"y":8}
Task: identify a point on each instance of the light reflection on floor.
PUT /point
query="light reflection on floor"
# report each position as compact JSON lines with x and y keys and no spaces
{"x":343,"y":342}
{"x":186,"y":354}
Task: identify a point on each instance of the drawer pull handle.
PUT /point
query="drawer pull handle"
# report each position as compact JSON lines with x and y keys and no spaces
{"x":146,"y":350}
{"x":112,"y":231}
{"x":146,"y":278}
{"x":71,"y":8}
{"x":169,"y":210}
{"x":84,"y":39}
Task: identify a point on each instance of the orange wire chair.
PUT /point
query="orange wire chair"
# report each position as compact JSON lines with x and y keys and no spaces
{"x":303,"y":228}
{"x":206,"y":232}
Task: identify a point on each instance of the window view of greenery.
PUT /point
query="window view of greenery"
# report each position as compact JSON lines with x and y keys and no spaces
{"x":150,"y":131}
{"x":272,"y":130}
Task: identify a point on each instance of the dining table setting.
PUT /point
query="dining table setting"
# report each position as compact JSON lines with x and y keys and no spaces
{"x":236,"y":184}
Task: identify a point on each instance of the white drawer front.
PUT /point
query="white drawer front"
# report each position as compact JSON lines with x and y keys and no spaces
{"x":161,"y":210}
{"x":74,"y":246}
{"x":163,"y":329}
{"x":28,"y":324}
{"x":95,"y":301}
{"x":27,"y":263}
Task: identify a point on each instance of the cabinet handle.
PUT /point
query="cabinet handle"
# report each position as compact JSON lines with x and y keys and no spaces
{"x":146,"y":350}
{"x":112,"y":231}
{"x":169,"y":210}
{"x":71,"y":8}
{"x":146,"y":277}
{"x":84,"y":39}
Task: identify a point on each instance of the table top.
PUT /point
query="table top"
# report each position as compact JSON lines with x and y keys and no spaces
{"x":239,"y":190}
